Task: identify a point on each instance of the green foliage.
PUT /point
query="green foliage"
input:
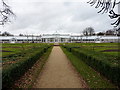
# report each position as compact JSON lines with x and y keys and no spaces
{"x":107,"y":65}
{"x":19,"y":47}
{"x":92,"y":78}
{"x":13,"y":71}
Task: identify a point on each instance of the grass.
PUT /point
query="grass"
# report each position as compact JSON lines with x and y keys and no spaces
{"x":32,"y":71}
{"x":30,"y":77}
{"x":92,"y":78}
{"x":18,"y":50}
{"x":115,"y":54}
{"x":18,"y":47}
{"x":99,"y":47}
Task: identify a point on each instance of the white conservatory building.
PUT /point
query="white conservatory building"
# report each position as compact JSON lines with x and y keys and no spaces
{"x":56,"y":38}
{"x":45,"y":38}
{"x":59,"y":38}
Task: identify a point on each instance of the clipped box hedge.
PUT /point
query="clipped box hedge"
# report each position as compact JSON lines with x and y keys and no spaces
{"x":14,"y":71}
{"x":100,"y":62}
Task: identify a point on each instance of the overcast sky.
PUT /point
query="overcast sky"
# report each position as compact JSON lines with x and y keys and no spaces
{"x":49,"y":16}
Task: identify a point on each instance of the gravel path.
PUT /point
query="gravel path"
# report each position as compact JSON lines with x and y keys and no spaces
{"x":59,"y":73}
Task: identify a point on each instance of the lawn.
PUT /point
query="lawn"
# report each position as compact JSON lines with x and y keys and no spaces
{"x":12,"y":53}
{"x":106,"y":48}
{"x":22,"y":58}
{"x":10,"y":49}
{"x":102,"y":57}
{"x":93,"y":78}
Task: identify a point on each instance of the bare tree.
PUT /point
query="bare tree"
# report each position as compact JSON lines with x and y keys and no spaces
{"x":6,"y":34}
{"x":85,"y":33}
{"x":5,"y":13}
{"x":110,"y":32}
{"x":108,"y":6}
{"x":88,"y":31}
{"x":100,"y":34}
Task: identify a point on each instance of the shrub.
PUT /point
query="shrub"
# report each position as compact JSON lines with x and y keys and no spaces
{"x":100,"y":62}
{"x":14,"y":71}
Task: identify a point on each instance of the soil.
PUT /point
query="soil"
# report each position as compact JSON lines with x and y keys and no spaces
{"x":111,"y":50}
{"x":5,"y":51}
{"x":11,"y":47}
{"x":58,"y":72}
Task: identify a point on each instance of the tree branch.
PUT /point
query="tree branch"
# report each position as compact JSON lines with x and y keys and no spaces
{"x":5,"y":13}
{"x":107,"y":6}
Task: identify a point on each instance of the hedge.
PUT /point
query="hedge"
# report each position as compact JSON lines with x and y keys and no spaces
{"x":14,"y":71}
{"x":100,"y":62}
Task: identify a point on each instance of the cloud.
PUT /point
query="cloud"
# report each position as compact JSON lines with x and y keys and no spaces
{"x":47,"y":17}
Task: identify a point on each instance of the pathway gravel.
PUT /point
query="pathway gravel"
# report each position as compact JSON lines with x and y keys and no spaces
{"x":58,"y":72}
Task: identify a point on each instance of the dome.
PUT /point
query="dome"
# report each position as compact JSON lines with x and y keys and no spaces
{"x":56,"y":33}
